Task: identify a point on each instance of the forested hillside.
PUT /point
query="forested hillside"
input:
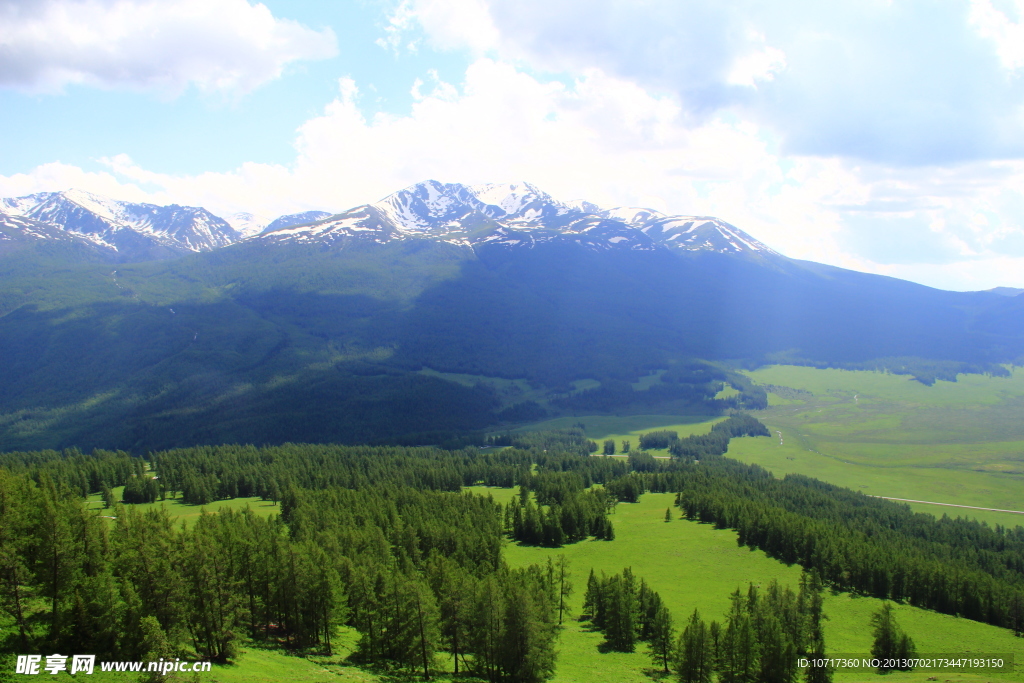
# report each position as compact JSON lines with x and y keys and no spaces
{"x":267,"y":342}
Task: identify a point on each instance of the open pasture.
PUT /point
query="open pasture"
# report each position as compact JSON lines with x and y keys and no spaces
{"x":888,"y":435}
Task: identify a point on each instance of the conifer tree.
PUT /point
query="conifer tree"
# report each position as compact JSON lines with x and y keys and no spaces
{"x":620,"y":620}
{"x":662,"y":636}
{"x":738,"y":652}
{"x":565,"y":587}
{"x":694,"y":659}
{"x":890,"y":642}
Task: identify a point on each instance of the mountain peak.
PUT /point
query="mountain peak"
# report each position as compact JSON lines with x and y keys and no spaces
{"x":431,"y":206}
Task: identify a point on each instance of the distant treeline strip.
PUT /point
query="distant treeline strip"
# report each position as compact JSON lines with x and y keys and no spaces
{"x":924,"y":370}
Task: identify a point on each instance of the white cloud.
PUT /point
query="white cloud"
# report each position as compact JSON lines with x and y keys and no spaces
{"x":1007,"y":35}
{"x":216,"y":45}
{"x":454,"y":23}
{"x":608,"y":140}
{"x":400,"y":22}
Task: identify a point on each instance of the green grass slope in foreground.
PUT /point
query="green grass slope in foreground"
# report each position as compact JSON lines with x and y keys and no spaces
{"x":693,"y":565}
{"x":888,"y":435}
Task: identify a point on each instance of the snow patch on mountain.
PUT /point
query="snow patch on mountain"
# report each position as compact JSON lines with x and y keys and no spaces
{"x":516,"y":214}
{"x":632,"y":215}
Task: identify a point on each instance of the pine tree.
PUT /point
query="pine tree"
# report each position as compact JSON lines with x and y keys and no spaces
{"x":694,"y":658}
{"x":565,"y":587}
{"x":591,"y":599}
{"x":528,"y":654}
{"x":620,"y":614}
{"x":108,"y":497}
{"x":738,"y":652}
{"x":890,"y":642}
{"x":661,"y":638}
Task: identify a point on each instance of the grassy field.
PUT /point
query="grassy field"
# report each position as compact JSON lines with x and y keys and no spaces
{"x":888,"y":435}
{"x":884,"y":435}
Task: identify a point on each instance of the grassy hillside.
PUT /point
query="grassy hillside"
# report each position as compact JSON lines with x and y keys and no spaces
{"x":629,"y":427}
{"x":221,"y":346}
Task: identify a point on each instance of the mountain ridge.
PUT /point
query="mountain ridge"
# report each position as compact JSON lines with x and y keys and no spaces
{"x":517,"y":215}
{"x":512,"y":215}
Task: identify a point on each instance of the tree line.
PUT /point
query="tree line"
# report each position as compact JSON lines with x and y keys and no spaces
{"x":383,"y":540}
{"x":83,"y":473}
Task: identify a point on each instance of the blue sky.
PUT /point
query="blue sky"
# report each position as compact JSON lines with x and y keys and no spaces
{"x":880,"y":135}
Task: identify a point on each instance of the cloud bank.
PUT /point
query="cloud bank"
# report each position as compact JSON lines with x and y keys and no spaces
{"x":166,"y":45}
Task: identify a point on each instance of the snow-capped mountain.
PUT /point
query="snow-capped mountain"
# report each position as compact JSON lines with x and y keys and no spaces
{"x":516,"y":215}
{"x":134,"y":231}
{"x":510,"y":215}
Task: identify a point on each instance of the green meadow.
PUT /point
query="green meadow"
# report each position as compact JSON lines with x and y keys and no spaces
{"x":885,"y":435}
